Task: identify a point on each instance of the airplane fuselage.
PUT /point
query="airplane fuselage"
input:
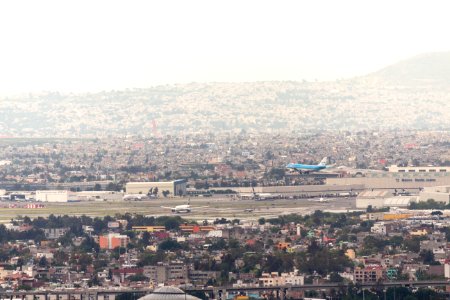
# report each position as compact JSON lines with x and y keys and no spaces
{"x":305,"y":167}
{"x":179,"y":209}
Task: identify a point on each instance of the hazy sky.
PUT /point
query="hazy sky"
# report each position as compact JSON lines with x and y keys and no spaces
{"x":94,"y":45}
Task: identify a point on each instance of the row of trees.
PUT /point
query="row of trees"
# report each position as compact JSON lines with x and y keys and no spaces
{"x":429,"y":204}
{"x":317,"y":218}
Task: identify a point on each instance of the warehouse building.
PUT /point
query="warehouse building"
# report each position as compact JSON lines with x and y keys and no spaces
{"x":168,"y":189}
{"x":99,"y":196}
{"x":374,"y":198}
{"x":382,"y":198}
{"x":437,"y":193}
{"x":55,"y":196}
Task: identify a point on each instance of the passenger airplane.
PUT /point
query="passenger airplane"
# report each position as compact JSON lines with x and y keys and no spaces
{"x":136,"y":197}
{"x":321,"y":200}
{"x":185,"y":208}
{"x":309,"y":168}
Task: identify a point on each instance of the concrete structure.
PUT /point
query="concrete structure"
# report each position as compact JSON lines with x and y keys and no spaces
{"x":55,"y":233}
{"x":274,"y":279}
{"x":372,"y":198}
{"x":398,"y":201}
{"x":396,"y":216}
{"x":99,"y":196}
{"x":373,"y":194}
{"x":55,"y":196}
{"x":447,"y":270}
{"x":379,"y":228}
{"x":397,"y":169}
{"x":165,"y":272}
{"x":369,"y":274}
{"x":149,"y":228}
{"x":364,"y":203}
{"x":174,"y":188}
{"x":437,"y":193}
{"x":301,"y":190}
{"x":168,"y":293}
{"x":121,"y":274}
{"x":113,"y":240}
{"x":202,"y":277}
{"x":391,"y":180}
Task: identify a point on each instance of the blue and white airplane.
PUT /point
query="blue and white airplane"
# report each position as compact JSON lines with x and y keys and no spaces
{"x":309,"y":168}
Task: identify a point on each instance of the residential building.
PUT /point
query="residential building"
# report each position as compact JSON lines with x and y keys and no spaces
{"x":113,"y":240}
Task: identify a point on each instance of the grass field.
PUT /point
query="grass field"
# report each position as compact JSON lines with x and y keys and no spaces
{"x":202,"y":208}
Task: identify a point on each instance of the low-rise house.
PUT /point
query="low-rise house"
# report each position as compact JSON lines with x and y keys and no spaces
{"x":55,"y":233}
{"x":275,"y":279}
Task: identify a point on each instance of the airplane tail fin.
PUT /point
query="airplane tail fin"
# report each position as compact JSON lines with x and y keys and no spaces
{"x":324,"y":161}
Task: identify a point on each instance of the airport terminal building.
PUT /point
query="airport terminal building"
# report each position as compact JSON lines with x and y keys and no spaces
{"x":396,"y":180}
{"x":432,"y":169}
{"x":170,"y":188}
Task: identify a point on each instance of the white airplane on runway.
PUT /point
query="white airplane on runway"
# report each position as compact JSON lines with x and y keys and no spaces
{"x":185,"y":208}
{"x":321,"y":200}
{"x":137,"y":197}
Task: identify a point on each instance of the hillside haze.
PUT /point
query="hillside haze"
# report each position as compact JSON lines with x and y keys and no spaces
{"x":412,"y":94}
{"x":425,"y":69}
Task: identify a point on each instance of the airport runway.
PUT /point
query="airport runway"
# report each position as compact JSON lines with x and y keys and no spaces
{"x":202,"y":208}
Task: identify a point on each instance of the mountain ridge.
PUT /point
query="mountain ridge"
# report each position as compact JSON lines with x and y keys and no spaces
{"x":431,"y":68}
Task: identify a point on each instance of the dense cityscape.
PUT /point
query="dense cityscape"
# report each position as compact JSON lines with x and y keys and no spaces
{"x":220,"y":160}
{"x":224,"y":151}
{"x":362,"y":244}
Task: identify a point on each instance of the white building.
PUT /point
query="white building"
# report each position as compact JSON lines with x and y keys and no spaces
{"x":274,"y":279}
{"x":99,"y":196}
{"x":379,"y":228}
{"x":447,"y":270}
{"x":397,"y":169}
{"x":47,"y":254}
{"x":437,"y":193}
{"x":55,"y":233}
{"x":55,"y":196}
{"x":171,"y":188}
{"x":382,"y":198}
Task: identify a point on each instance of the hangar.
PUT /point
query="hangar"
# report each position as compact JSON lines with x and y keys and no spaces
{"x":160,"y":189}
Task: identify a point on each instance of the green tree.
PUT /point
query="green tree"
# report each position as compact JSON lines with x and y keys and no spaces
{"x":427,"y":257}
{"x":43,"y":262}
{"x":412,"y":245}
{"x":169,"y":245}
{"x":335,"y":277}
{"x":145,"y":238}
